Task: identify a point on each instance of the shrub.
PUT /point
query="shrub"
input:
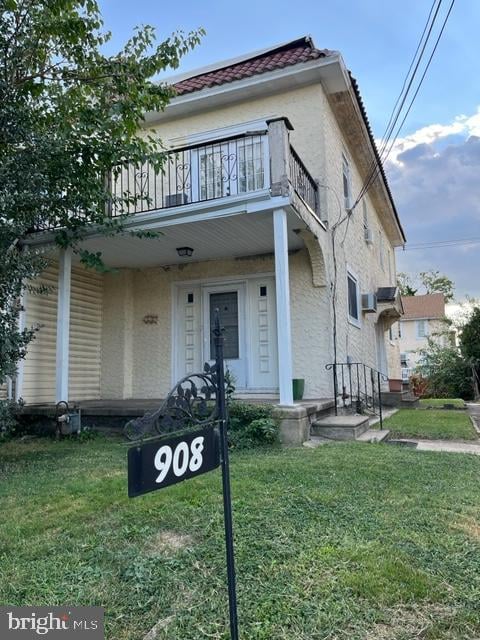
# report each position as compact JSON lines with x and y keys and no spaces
{"x":251,"y":425}
{"x":9,"y":426}
{"x":447,"y":373}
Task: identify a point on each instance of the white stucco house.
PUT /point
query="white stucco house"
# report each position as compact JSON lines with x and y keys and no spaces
{"x":424,"y":318}
{"x":268,"y":154}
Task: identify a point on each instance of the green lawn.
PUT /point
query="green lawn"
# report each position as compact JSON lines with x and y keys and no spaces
{"x":434,"y":424}
{"x":426,"y":403}
{"x":344,"y":542}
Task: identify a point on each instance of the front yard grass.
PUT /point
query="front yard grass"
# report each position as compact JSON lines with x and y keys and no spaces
{"x":434,"y":424}
{"x":347,"y":541}
{"x":434,"y":403}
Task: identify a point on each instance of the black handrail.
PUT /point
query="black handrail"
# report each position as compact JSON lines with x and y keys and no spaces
{"x":302,"y":182}
{"x":360,"y":387}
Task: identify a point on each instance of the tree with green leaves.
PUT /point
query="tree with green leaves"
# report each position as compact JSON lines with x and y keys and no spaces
{"x":446,"y":372}
{"x":405,"y":284}
{"x":470,"y":345}
{"x":435,"y":282}
{"x":431,"y":282}
{"x":69,"y":116}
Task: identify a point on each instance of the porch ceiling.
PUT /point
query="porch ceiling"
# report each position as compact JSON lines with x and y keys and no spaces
{"x":228,"y":237}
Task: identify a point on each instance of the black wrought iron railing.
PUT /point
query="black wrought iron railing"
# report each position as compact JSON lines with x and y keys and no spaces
{"x":358,"y":388}
{"x":302,"y":182}
{"x":190,"y":175}
{"x":200,"y":173}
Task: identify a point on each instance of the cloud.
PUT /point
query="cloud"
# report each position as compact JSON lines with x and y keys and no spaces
{"x":462,"y":125}
{"x":434,"y":177}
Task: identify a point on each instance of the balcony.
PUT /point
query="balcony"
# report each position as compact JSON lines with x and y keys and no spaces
{"x":221,"y":169}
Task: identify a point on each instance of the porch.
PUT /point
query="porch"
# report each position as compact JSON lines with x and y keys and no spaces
{"x":240,"y":236}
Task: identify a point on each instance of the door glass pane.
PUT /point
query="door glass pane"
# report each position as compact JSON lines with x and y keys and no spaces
{"x":250,"y":165}
{"x":227,"y":304}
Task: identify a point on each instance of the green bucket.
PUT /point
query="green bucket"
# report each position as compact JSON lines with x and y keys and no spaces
{"x":298,"y":385}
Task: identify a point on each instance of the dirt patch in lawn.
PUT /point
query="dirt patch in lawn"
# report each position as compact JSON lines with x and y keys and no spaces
{"x":470,"y":526}
{"x":169,"y":542}
{"x":407,"y":623}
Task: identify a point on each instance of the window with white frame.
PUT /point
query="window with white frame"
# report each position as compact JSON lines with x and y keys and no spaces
{"x":381,"y":249}
{"x":230,"y":167}
{"x":365,"y":215}
{"x":347,"y":187}
{"x":251,"y":171}
{"x":353,"y":298}
{"x":422,"y":328}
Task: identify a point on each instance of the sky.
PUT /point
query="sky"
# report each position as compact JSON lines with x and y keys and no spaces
{"x":434,"y":167}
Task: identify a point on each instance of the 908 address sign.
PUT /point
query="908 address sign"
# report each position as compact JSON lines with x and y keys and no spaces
{"x":161,"y":463}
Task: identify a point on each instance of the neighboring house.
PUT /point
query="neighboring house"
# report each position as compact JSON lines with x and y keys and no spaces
{"x":424,"y":318}
{"x":269,"y":152}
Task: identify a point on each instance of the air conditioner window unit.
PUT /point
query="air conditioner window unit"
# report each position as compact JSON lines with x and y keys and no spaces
{"x":176,"y":199}
{"x":369,"y":302}
{"x":368,"y":235}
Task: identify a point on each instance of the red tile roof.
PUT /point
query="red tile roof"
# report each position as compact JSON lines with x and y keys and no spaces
{"x":301,"y":50}
{"x":289,"y":54}
{"x":431,"y":305}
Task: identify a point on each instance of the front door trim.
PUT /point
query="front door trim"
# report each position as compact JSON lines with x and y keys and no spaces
{"x":221,"y":281}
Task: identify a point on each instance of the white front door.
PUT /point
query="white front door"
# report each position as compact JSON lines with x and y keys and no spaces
{"x":229,"y":299}
{"x":247,"y":311}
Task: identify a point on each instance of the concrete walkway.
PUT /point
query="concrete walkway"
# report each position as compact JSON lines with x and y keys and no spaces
{"x":451,"y":446}
{"x":473,"y":410}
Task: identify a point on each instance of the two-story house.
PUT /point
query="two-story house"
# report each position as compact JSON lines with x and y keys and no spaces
{"x":268,"y":154}
{"x":424,"y":318}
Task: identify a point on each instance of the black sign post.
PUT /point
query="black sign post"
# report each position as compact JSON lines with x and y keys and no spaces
{"x":227,"y":499}
{"x":197,"y":406}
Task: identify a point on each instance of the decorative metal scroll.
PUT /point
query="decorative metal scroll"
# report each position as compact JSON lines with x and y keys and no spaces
{"x":191,"y":403}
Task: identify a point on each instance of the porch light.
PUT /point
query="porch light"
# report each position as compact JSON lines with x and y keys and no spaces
{"x":184,"y":251}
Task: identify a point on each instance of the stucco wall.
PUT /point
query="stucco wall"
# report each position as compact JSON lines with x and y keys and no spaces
{"x":353,"y":252}
{"x":150,"y":293}
{"x":410,"y":344}
{"x":320,"y":143}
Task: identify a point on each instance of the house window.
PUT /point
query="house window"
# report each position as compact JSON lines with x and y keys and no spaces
{"x":231,"y":167}
{"x":422,"y":328}
{"x":365,"y":216}
{"x":390,"y":334}
{"x":399,"y":329}
{"x":353,"y":297}
{"x":263,"y":291}
{"x":189,"y":298}
{"x":347,"y":187}
{"x":381,"y":249}
{"x":403,"y":360}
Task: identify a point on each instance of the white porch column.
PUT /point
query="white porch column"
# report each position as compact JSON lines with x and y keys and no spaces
{"x":282,"y":286}
{"x":21,"y":365}
{"x":63,"y":324}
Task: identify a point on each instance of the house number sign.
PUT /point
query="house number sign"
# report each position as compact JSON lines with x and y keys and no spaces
{"x":159,"y":464}
{"x":197,"y":403}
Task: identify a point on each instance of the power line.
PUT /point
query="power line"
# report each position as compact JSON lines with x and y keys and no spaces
{"x":395,"y":114}
{"x":377,"y":170}
{"x":442,"y":244}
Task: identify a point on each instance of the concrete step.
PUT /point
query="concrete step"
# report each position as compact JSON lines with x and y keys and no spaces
{"x":374,"y":435}
{"x":399,"y":399}
{"x":340,"y":427}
